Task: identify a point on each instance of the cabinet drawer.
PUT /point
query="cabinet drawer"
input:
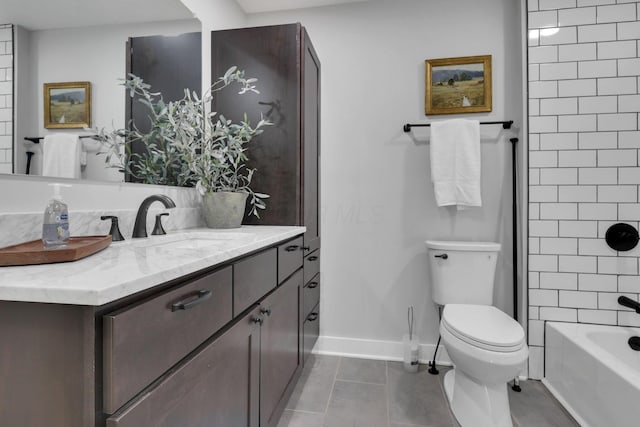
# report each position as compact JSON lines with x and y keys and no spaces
{"x":311,"y":295}
{"x":144,"y":340}
{"x":289,"y":258}
{"x":216,"y":387}
{"x":311,"y":330}
{"x":311,"y":265}
{"x":253,"y":278}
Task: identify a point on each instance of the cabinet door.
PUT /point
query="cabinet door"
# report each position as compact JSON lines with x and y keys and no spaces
{"x":311,"y":142}
{"x":280,"y":355}
{"x":216,"y":387}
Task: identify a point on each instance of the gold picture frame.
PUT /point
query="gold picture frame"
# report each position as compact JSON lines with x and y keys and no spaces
{"x":67,"y":105}
{"x":458,"y":85}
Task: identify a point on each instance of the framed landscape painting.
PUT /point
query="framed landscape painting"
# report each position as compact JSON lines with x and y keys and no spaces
{"x":67,"y":105}
{"x":458,"y":85}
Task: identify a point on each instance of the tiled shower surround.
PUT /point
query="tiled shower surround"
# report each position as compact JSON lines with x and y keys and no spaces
{"x":6,"y":98}
{"x":584,"y":173}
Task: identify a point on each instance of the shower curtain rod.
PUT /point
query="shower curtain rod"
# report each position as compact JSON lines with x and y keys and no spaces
{"x":505,"y":125}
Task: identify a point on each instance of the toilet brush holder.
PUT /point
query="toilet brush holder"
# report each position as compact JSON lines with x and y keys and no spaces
{"x":410,"y":361}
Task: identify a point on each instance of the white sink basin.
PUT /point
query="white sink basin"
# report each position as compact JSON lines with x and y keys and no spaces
{"x":195,"y":239}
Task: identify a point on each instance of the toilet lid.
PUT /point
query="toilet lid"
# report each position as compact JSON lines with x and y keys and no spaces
{"x":484,"y":326}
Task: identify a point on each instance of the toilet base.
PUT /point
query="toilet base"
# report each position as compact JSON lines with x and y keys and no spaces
{"x":477,"y":405}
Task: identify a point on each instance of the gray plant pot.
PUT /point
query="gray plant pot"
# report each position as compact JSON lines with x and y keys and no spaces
{"x":224,"y":209}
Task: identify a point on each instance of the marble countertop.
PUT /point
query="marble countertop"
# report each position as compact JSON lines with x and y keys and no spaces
{"x":125,"y":268}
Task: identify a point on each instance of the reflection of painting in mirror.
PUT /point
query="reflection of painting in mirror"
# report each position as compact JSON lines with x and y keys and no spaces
{"x":67,"y":105}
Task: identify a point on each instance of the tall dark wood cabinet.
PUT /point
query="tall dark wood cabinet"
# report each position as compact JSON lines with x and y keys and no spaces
{"x":287,"y":154}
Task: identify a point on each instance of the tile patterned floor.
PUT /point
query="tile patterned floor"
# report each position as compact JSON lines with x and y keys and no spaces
{"x":345,"y":392}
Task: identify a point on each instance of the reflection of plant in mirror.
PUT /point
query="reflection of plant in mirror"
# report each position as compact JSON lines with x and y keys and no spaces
{"x":187,"y":145}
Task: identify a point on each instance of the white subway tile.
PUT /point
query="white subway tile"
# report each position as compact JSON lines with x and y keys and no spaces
{"x":577,"y":264}
{"x":596,"y":33}
{"x":629,"y":212}
{"x":558,"y":246}
{"x":617,"y":158}
{"x":584,"y":158}
{"x":582,"y":3}
{"x":589,"y":140}
{"x":601,"y":317}
{"x":534,"y":176}
{"x":595,"y":247}
{"x":577,"y":123}
{"x":577,"y":193}
{"x":621,"y":121}
{"x":536,"y":362}
{"x":628,"y":319}
{"x":617,"y":265}
{"x":545,"y":89}
{"x":559,"y":141}
{"x":598,"y":211}
{"x":629,"y":103}
{"x":618,"y":49}
{"x":629,"y":284}
{"x":543,"y":54}
{"x":559,"y":71}
{"x":538,"y":228}
{"x":617,"y":86}
{"x":609,"y":300}
{"x":543,"y":124}
{"x":534,"y":245}
{"x":536,"y":332}
{"x":559,"y":281}
{"x":578,"y":229}
{"x":534,"y":72}
{"x":559,"y":176}
{"x":559,"y":314}
{"x":629,"y":175}
{"x":533,"y":38}
{"x":598,"y":282}
{"x":545,"y":297}
{"x":600,"y":175}
{"x":534,"y":280}
{"x":532,"y":5}
{"x":543,"y":193}
{"x":565,"y":35}
{"x":534,"y":142}
{"x":577,"y":52}
{"x":598,"y":104}
{"x":558,"y":211}
{"x":534,"y":110}
{"x":617,"y":13}
{"x":557,"y":4}
{"x":584,"y":87}
{"x":629,"y":30}
{"x":541,"y":159}
{"x":617,"y":193}
{"x":591,"y":69}
{"x":629,"y":67}
{"x":551,"y":107}
{"x":543,"y":263}
{"x":534,"y":313}
{"x":577,"y":16}
{"x":578,"y":299}
{"x":629,"y":139}
{"x":544,"y":19}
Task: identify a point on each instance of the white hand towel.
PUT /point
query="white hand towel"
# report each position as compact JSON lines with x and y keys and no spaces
{"x":61,"y":155}
{"x":455,"y":162}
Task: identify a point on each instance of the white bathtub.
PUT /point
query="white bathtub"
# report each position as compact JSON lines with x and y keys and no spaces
{"x":594,"y":373}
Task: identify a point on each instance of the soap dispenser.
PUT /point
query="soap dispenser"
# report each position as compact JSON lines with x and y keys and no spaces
{"x":55,"y":226}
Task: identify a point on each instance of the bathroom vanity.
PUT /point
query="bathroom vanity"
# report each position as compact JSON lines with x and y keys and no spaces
{"x":199,"y":328}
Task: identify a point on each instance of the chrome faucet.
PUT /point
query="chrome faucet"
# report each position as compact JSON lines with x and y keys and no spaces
{"x":140,"y":227}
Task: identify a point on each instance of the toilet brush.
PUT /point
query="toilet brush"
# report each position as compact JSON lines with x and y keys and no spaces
{"x":410,"y":346}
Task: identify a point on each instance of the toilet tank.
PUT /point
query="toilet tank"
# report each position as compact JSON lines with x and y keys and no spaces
{"x":462,"y":272}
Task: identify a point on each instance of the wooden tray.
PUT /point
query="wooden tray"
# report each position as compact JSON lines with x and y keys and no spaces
{"x":30,"y":253}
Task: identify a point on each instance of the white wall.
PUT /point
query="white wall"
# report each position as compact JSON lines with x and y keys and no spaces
{"x":377,"y":199}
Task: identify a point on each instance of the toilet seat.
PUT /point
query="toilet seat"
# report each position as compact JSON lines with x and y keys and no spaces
{"x":483,"y":326}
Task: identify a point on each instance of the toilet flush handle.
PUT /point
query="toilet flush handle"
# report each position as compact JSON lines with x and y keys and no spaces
{"x":443,"y":256}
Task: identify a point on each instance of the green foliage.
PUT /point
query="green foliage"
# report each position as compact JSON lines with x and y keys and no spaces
{"x":187,"y":145}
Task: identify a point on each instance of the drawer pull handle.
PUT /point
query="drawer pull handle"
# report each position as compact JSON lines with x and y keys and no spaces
{"x":312,"y":317}
{"x":258,"y":320}
{"x":201,"y":296}
{"x":266,"y":311}
{"x":292,"y":248}
{"x":312,"y":258}
{"x":312,"y":285}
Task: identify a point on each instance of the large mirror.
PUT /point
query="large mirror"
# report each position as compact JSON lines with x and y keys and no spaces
{"x":43,"y":41}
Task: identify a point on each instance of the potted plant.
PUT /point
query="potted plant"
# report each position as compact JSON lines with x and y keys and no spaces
{"x":189,"y":145}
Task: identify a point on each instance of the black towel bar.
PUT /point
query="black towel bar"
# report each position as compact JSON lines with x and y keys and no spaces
{"x":505,"y":125}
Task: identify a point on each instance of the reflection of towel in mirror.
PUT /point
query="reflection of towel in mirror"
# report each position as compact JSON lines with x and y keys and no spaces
{"x":455,"y":162}
{"x":61,"y":155}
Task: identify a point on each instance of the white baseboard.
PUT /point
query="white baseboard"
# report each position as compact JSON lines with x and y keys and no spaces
{"x":376,"y":350}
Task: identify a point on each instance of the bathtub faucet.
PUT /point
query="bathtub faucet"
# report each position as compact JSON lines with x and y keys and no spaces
{"x":628,"y":302}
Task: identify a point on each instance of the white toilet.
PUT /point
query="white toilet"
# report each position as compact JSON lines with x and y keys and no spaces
{"x":487,"y":347}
